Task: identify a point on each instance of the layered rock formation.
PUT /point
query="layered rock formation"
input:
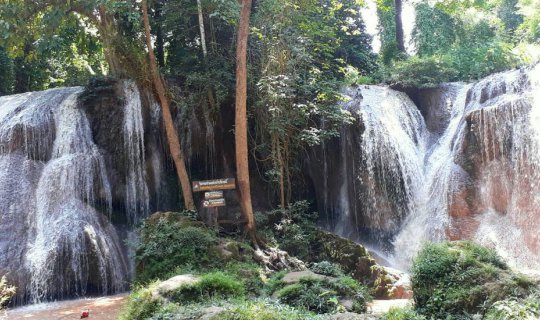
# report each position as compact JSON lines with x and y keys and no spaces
{"x":461,"y":162}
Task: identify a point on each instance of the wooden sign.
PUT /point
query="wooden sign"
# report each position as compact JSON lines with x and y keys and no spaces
{"x":213,"y":195}
{"x":212,"y":203}
{"x":216,"y":184}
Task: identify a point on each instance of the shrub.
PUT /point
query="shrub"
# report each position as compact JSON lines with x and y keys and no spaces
{"x":422,"y":72}
{"x":140,"y":305}
{"x":515,"y":309}
{"x":6,"y":292}
{"x":327,"y":268}
{"x":292,"y":229}
{"x":172,"y":242}
{"x":211,"y":285}
{"x":453,"y":279}
{"x":266,"y":310}
{"x":250,"y":273}
{"x":324,"y":295}
{"x":402,"y":314}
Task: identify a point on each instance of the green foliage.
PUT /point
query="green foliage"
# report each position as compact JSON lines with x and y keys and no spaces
{"x":422,"y":72}
{"x":323,"y":295}
{"x":6,"y":291}
{"x":172,"y":242}
{"x":266,"y":310}
{"x":211,"y":285}
{"x":304,"y":50}
{"x":140,"y":305}
{"x":459,"y":278}
{"x":292,"y":229}
{"x":250,"y":273}
{"x":7,"y":73}
{"x":435,"y":30}
{"x":515,"y":309}
{"x":48,"y":45}
{"x":402,"y":314}
{"x":327,"y":268}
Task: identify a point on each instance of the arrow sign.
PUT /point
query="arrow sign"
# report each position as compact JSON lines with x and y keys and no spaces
{"x":212,"y":203}
{"x":213,"y":195}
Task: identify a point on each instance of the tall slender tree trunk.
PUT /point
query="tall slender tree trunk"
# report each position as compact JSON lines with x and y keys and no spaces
{"x":201,"y":28}
{"x":172,"y":135}
{"x":400,"y":40}
{"x":242,"y":164}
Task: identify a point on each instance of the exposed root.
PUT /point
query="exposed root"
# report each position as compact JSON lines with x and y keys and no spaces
{"x":274,"y":259}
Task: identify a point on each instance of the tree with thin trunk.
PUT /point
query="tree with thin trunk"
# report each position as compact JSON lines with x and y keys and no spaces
{"x":242,"y":164}
{"x":170,"y":130}
{"x":399,"y":26}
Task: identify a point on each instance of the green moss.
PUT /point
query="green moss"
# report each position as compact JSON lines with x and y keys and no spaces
{"x":266,"y":310}
{"x":327,"y":268}
{"x":140,"y":305}
{"x":324,"y":295}
{"x":402,"y":314}
{"x":170,"y":241}
{"x":211,"y":285}
{"x":250,"y":274}
{"x":6,"y":291}
{"x":454,"y":279}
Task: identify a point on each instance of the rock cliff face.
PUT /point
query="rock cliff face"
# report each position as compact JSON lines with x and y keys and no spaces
{"x":460,"y":162}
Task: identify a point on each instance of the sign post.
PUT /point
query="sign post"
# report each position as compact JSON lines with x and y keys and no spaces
{"x":213,"y":194}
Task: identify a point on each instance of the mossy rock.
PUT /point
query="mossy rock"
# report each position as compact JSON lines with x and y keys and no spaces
{"x":453,"y":279}
{"x":231,"y":250}
{"x":352,"y":257}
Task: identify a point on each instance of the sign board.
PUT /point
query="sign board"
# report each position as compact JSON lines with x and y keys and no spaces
{"x":216,"y":184}
{"x":212,"y":203}
{"x":213,"y":194}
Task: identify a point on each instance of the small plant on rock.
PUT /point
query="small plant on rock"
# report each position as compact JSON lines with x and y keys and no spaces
{"x":211,"y":285}
{"x":6,"y":292}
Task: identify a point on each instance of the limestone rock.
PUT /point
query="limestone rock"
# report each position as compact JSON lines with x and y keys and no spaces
{"x":294,"y":277}
{"x":352,"y":316}
{"x":390,"y":283}
{"x":212,"y":313}
{"x":172,"y":284}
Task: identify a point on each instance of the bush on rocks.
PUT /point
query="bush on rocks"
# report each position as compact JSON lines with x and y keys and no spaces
{"x":211,"y":285}
{"x":456,"y":279}
{"x":325,"y":295}
{"x":169,"y":240}
{"x":6,"y":292}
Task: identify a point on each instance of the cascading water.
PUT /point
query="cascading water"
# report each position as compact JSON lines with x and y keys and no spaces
{"x":137,"y":198}
{"x":379,"y":169}
{"x":56,"y":199}
{"x":473,"y":177}
{"x":67,"y":229}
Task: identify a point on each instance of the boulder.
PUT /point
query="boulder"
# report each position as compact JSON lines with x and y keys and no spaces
{"x":294,"y":277}
{"x":352,"y":316}
{"x":161,"y":290}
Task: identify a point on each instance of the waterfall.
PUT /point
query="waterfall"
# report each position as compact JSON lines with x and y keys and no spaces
{"x":481,"y":175}
{"x":471,"y":173}
{"x":53,"y":177}
{"x":137,"y":196}
{"x":379,"y":165}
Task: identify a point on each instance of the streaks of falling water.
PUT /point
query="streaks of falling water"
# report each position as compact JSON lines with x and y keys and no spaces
{"x":489,"y":152}
{"x":137,"y":196}
{"x":393,"y":146}
{"x":73,"y":244}
{"x":430,"y":220}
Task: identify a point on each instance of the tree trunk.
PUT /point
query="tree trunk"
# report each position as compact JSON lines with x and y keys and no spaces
{"x":399,"y":26}
{"x":201,"y":29}
{"x":172,"y":136}
{"x":242,"y":164}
